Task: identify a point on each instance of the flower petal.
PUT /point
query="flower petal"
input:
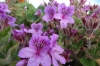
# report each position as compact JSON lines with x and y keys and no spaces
{"x":58,"y":49}
{"x":55,"y":63}
{"x":21,"y":63}
{"x":26,"y":52}
{"x":58,"y":16}
{"x":45,"y":60}
{"x":30,"y":31}
{"x":46,"y":18}
{"x":60,"y":58}
{"x":63,"y":23}
{"x":69,"y":20}
{"x":33,"y":62}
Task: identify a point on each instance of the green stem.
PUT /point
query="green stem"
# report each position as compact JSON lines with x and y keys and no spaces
{"x":88,"y":43}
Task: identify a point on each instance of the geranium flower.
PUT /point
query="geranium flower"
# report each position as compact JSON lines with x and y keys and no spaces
{"x":49,"y":13}
{"x":19,"y":35}
{"x":56,"y":50}
{"x":4,"y":8}
{"x":65,"y":15}
{"x":8,"y":20}
{"x":35,"y":28}
{"x":37,"y":51}
{"x":11,"y":21}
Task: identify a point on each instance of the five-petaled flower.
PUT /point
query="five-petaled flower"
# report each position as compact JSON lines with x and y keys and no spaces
{"x":35,"y":28}
{"x":65,"y":15}
{"x":37,"y":52}
{"x":49,"y":13}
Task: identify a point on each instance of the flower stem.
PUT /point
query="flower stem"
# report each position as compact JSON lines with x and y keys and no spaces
{"x":88,"y":43}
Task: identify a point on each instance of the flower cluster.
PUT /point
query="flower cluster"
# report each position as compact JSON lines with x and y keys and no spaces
{"x":5,"y":19}
{"x":56,"y":34}
{"x":42,"y":51}
{"x":62,"y":12}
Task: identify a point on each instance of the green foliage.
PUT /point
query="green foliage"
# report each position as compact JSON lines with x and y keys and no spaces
{"x":76,"y":46}
{"x":88,"y":62}
{"x":23,"y":15}
{"x":10,"y":55}
{"x":4,"y":37}
{"x":95,"y":51}
{"x":8,"y":48}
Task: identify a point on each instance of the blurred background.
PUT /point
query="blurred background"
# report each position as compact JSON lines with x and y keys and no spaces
{"x":36,"y":3}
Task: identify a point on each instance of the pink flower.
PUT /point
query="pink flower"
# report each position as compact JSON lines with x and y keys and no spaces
{"x":4,"y":8}
{"x":35,"y":28}
{"x":37,"y":51}
{"x":65,"y":15}
{"x":49,"y":13}
{"x":56,"y":50}
{"x":11,"y":21}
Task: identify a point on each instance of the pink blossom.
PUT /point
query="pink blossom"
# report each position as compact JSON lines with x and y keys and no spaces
{"x":35,"y":28}
{"x":65,"y":15}
{"x":37,"y":52}
{"x":49,"y":13}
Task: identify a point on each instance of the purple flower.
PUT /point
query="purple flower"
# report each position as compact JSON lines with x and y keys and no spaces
{"x":19,"y":35}
{"x":11,"y":21}
{"x":4,"y":7}
{"x":3,"y":17}
{"x":55,"y":51}
{"x":22,"y":62}
{"x":37,"y":52}
{"x":49,"y":13}
{"x":38,"y":12}
{"x":65,"y":14}
{"x":35,"y":28}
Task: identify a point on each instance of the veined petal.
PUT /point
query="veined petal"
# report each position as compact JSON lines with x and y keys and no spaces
{"x":61,"y":7}
{"x":26,"y":52}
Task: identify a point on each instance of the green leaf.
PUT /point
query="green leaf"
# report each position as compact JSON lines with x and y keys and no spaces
{"x":4,"y":38}
{"x":88,"y":62}
{"x":10,"y":55}
{"x":94,"y":51}
{"x":5,"y":32}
